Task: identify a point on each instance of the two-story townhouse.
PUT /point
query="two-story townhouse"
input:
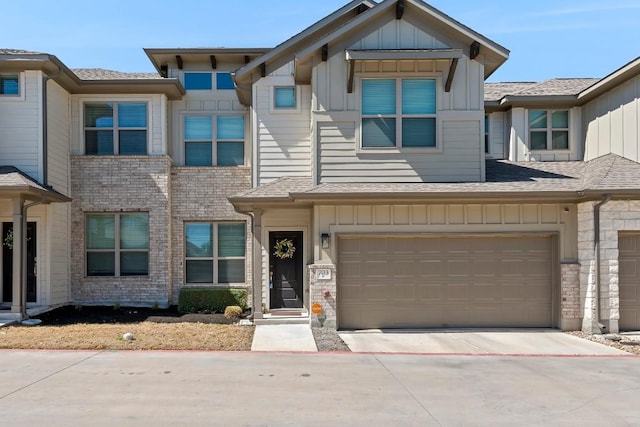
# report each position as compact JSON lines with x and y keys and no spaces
{"x":98,"y":135}
{"x":413,"y":201}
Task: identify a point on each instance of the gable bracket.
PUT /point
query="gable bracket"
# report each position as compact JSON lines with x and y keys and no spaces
{"x":214,"y":64}
{"x":452,"y":72}
{"x":352,"y":71}
{"x":325,"y":52}
{"x":474,"y":50}
{"x":263,"y":70}
{"x":164,"y":71}
{"x":247,"y":59}
{"x":179,"y":60}
{"x":399,"y":9}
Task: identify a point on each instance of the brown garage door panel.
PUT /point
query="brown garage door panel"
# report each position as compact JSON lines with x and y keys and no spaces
{"x":396,"y":282}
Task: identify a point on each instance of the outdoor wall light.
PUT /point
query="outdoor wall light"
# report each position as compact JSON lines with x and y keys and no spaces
{"x":325,"y":240}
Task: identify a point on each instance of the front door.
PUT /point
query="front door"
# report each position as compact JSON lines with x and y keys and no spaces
{"x":7,"y":262}
{"x":285,"y":269}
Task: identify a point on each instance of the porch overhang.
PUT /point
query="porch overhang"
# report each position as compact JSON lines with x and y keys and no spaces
{"x":16,"y":184}
{"x":451,"y":55}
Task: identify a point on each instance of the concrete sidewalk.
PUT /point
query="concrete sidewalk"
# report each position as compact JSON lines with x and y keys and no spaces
{"x":283,"y":338}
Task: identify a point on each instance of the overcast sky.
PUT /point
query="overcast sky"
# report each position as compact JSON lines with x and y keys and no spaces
{"x":547,"y":38}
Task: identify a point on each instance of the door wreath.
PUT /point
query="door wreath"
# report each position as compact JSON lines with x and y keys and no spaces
{"x":284,"y":249}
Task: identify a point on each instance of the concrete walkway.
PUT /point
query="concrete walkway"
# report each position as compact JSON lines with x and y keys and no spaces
{"x":283,"y":338}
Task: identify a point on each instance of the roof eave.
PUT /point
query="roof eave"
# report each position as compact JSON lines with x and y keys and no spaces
{"x":614,"y":79}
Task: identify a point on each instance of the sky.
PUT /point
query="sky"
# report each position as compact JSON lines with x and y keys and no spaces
{"x":547,"y":38}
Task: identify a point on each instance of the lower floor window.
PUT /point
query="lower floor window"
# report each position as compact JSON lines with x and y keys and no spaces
{"x":117,"y":244}
{"x":215,"y":252}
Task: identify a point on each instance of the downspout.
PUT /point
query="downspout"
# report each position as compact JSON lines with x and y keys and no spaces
{"x":23,"y":259}
{"x":596,"y":249}
{"x":45,"y":130}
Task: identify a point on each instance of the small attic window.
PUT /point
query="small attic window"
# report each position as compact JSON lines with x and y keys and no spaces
{"x":224,"y":81}
{"x":284,"y":97}
{"x":197,"y":81}
{"x":9,"y":85}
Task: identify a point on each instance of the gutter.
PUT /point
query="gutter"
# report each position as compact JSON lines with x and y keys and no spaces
{"x":596,"y":249}
{"x":45,"y":130}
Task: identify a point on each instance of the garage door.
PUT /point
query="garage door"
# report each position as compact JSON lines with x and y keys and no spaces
{"x":435,"y":282}
{"x":629,"y":282}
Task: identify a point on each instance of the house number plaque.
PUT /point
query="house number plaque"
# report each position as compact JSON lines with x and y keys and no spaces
{"x":323,"y":274}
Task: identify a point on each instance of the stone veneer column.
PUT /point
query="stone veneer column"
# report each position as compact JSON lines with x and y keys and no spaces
{"x":586,"y":256}
{"x":570,"y":310}
{"x":322,"y":290}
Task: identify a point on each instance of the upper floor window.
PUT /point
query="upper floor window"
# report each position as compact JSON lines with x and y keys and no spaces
{"x":215,"y":252}
{"x":117,"y":244}
{"x":197,"y":81}
{"x":115,"y":128}
{"x":549,"y":129}
{"x":398,"y":113}
{"x":224,"y":81}
{"x":284,"y":97}
{"x":9,"y":84}
{"x":202,"y":149}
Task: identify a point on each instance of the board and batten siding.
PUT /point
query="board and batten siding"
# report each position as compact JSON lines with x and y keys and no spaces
{"x":156,"y":124}
{"x":447,"y":219}
{"x":498,"y":135}
{"x":59,"y":117}
{"x":58,"y":215}
{"x":58,"y":249}
{"x":21,"y":126}
{"x":330,"y":78}
{"x":612,"y":122}
{"x":283,"y":137}
{"x":336,"y":113}
{"x":341,"y":161}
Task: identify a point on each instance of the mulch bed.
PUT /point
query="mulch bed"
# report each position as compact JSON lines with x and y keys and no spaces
{"x":100,"y":315}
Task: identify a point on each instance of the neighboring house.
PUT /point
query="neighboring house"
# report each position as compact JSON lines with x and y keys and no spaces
{"x":362,"y":166}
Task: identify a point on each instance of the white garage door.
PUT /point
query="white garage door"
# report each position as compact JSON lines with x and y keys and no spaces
{"x":436,"y":282}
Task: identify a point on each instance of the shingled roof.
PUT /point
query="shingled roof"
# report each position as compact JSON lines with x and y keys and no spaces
{"x":13,"y":179}
{"x":4,"y":51}
{"x":606,"y":173}
{"x":102,"y":74}
{"x":552,"y":87}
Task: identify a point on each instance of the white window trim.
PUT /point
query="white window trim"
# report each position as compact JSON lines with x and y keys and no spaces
{"x":438,"y":149}
{"x":116,"y":250}
{"x":214,"y":134}
{"x":215,"y":258}
{"x":116,"y":140}
{"x":549,"y":130}
{"x":284,"y":110}
{"x":22,"y":89}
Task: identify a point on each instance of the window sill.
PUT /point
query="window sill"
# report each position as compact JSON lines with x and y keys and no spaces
{"x":400,"y":151}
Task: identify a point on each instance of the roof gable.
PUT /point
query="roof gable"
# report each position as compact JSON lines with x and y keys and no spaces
{"x":352,"y":23}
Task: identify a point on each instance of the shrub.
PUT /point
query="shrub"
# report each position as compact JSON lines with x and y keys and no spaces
{"x":194,"y":300}
{"x":233,"y":312}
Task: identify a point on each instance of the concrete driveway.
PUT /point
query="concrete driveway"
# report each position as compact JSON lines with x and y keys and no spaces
{"x":506,"y":342}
